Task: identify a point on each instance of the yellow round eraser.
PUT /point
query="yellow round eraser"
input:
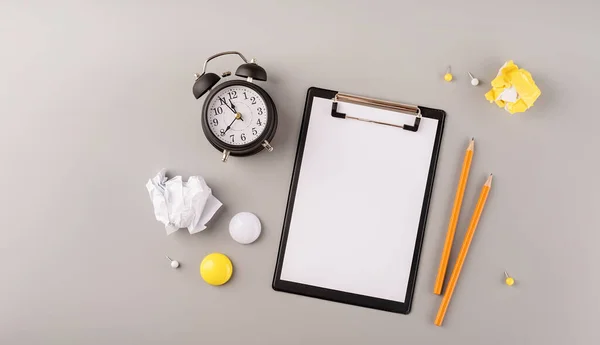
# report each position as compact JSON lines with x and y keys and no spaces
{"x":448,"y":77}
{"x":510,"y":281}
{"x":216,"y":269}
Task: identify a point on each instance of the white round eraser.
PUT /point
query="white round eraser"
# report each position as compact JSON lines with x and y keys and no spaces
{"x":244,"y":227}
{"x":174,"y":263}
{"x":474,"y":81}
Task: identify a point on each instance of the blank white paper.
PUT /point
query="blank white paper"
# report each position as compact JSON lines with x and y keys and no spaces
{"x":358,"y":201}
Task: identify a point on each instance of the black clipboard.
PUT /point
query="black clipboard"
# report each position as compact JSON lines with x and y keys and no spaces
{"x":341,"y":296}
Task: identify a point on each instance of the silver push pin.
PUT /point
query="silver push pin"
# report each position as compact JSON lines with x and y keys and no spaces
{"x":474,"y":81}
{"x":174,"y":263}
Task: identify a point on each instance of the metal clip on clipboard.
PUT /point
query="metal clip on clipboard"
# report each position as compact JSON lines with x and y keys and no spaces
{"x":372,"y":102}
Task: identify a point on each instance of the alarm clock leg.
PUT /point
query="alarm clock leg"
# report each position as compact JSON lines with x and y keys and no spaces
{"x":225,"y":155}
{"x":267,"y":146}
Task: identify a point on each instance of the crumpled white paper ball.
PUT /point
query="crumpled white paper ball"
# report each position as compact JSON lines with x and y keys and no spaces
{"x":179,"y":204}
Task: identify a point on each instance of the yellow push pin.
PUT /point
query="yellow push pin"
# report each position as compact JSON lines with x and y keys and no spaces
{"x":216,"y":269}
{"x":510,"y":281}
{"x":448,"y":76}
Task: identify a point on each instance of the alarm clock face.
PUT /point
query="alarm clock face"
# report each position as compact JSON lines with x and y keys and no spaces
{"x":237,"y":114}
{"x":239,"y":118}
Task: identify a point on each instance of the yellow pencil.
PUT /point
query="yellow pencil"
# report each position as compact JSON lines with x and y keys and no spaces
{"x":458,"y":198}
{"x":463,"y":251}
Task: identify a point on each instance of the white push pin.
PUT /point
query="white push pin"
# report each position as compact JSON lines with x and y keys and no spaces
{"x":174,"y":263}
{"x":474,"y":81}
{"x":244,"y":227}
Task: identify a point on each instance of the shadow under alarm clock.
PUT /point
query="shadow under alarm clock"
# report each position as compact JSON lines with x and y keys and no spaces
{"x":239,"y":118}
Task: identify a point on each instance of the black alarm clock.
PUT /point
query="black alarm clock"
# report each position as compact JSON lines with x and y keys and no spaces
{"x":239,"y":118}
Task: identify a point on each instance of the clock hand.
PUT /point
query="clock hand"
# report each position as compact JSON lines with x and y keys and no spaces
{"x":228,"y":127}
{"x":235,"y":110}
{"x":237,"y":116}
{"x":223,"y":100}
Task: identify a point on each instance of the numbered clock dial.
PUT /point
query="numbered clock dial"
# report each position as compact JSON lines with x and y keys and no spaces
{"x":237,"y":115}
{"x":239,"y":118}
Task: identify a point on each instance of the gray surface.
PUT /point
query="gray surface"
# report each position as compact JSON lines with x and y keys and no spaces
{"x":96,"y":98}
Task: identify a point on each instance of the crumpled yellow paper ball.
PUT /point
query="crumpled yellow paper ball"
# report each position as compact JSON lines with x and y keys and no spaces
{"x":513,"y":89}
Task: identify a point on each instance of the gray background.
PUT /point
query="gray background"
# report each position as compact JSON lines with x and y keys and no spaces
{"x":95,"y":98}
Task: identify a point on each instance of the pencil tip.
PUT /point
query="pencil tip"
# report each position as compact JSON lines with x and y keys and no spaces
{"x":489,"y":180}
{"x":472,"y":138}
